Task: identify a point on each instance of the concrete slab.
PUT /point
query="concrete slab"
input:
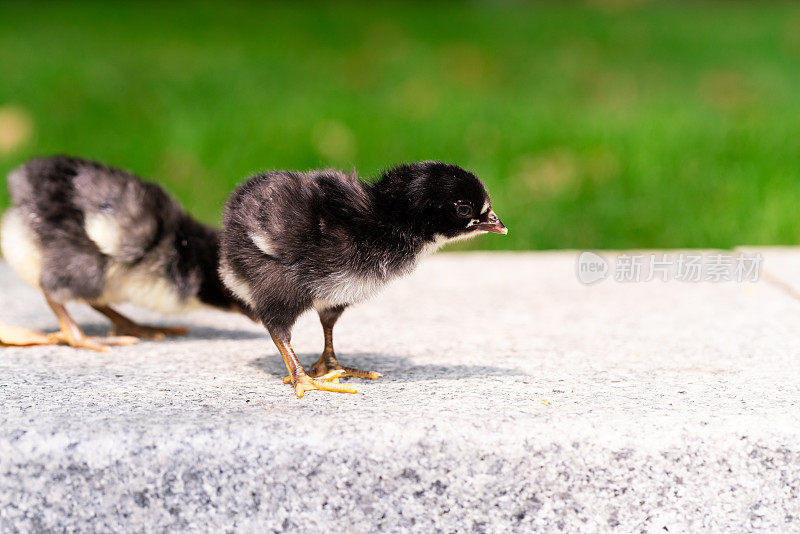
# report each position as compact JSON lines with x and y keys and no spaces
{"x":781,"y":267}
{"x":514,"y":398}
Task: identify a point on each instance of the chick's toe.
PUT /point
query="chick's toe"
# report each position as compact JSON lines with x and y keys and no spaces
{"x":328,"y":365}
{"x":305,"y":383}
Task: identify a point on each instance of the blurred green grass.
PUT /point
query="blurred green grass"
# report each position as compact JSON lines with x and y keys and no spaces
{"x":599,"y":125}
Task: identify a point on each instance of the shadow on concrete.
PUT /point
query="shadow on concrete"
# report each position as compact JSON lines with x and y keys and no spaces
{"x":195,"y":332}
{"x":393,"y":368}
{"x":205,"y":332}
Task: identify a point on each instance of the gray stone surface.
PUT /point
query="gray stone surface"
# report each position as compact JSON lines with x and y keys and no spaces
{"x":513,"y":398}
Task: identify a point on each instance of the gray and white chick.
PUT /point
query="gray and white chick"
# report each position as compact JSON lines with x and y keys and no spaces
{"x":79,"y":230}
{"x":324,"y":239}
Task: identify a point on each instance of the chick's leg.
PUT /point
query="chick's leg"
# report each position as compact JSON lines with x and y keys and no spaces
{"x":126,"y":327}
{"x":298,"y":377}
{"x":327,"y":362}
{"x":72,"y":335}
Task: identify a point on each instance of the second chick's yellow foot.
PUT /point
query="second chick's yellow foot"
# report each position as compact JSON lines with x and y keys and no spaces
{"x":16,"y":336}
{"x":328,"y":382}
{"x":328,"y":364}
{"x":148,"y":332}
{"x":99,"y":344}
{"x":123,"y":326}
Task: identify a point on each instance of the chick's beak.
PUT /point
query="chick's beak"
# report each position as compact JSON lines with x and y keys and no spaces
{"x":491,"y":224}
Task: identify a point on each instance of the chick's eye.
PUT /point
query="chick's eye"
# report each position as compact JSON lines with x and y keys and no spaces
{"x":464,"y":210}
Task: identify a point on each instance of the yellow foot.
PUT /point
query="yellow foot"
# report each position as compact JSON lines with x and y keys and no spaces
{"x":16,"y":336}
{"x":148,"y":332}
{"x":328,"y":382}
{"x":20,"y":337}
{"x":100,"y":344}
{"x":327,"y":364}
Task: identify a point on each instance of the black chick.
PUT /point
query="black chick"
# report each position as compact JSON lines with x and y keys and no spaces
{"x":79,"y":230}
{"x":324,"y":239}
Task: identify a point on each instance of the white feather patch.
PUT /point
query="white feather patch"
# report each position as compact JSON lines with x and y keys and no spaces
{"x":104,"y":230}
{"x":143,"y":287}
{"x":239,"y":287}
{"x":264,"y":244}
{"x":347,"y":288}
{"x":485,"y":207}
{"x":20,"y":247}
{"x":439,"y":241}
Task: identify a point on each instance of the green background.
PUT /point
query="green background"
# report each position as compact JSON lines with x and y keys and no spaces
{"x":600,"y":125}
